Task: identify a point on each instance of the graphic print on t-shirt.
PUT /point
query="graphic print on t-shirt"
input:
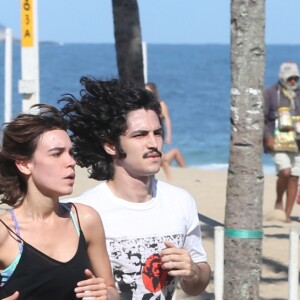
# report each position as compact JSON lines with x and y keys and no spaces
{"x":154,"y":277}
{"x":137,"y":267}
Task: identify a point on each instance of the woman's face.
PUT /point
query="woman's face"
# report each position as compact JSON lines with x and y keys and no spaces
{"x":51,"y":170}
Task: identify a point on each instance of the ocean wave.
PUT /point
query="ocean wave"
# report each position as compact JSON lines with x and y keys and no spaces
{"x":211,"y":166}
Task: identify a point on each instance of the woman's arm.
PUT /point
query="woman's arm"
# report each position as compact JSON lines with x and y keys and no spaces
{"x":14,"y":296}
{"x":100,"y":283}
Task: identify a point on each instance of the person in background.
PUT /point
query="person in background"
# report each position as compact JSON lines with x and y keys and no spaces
{"x":48,"y":250}
{"x":117,"y":134}
{"x":174,"y":154}
{"x":283,"y":94}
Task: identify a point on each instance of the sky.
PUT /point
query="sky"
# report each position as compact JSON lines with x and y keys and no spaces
{"x":162,"y":21}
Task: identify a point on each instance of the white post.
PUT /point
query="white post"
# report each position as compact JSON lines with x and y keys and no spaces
{"x":145,"y":61}
{"x":8,"y":76}
{"x":219,"y":263}
{"x":293,"y":265}
{"x":29,"y":85}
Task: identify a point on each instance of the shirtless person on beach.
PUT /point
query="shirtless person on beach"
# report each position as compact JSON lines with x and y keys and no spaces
{"x":173,"y":154}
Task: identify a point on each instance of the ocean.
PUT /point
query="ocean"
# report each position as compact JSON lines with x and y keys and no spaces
{"x":194,"y":81}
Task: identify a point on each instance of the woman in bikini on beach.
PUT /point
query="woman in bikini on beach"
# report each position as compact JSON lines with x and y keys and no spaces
{"x":173,"y":153}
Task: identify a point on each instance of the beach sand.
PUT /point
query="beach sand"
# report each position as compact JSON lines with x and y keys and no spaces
{"x":208,"y":187}
{"x":209,"y":190}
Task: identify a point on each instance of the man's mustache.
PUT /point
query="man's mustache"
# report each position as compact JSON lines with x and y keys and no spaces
{"x":151,"y":151}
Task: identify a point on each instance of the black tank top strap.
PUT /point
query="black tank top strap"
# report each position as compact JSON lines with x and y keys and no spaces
{"x":76,"y":214}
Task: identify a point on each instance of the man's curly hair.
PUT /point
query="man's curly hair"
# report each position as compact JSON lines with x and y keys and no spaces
{"x":100,"y":116}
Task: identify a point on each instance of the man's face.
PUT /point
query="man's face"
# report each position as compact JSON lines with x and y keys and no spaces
{"x":292,"y":82}
{"x":142,"y":142}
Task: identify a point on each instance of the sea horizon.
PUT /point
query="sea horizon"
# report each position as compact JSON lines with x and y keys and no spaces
{"x":193,"y":79}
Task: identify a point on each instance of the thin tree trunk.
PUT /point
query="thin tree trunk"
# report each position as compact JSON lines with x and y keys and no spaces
{"x":128,"y":41}
{"x":243,"y":215}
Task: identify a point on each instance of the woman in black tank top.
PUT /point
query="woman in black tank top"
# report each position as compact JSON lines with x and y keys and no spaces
{"x":48,"y":250}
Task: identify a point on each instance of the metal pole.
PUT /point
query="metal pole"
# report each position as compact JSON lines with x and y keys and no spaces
{"x":219,"y":263}
{"x":293,"y":265}
{"x":8,"y":76}
{"x":145,"y":61}
{"x":29,"y":85}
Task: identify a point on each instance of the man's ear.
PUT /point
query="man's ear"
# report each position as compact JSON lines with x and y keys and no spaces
{"x":23,"y":167}
{"x":109,"y":148}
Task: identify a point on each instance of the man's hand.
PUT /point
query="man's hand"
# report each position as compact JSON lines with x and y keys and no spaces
{"x":194,"y":278}
{"x":177,"y":260}
{"x":91,"y":288}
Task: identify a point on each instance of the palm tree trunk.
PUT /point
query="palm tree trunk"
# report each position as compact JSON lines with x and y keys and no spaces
{"x":128,"y":41}
{"x":243,"y":215}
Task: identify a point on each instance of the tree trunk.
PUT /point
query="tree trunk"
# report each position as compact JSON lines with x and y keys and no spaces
{"x":243,"y":215}
{"x":128,"y":41}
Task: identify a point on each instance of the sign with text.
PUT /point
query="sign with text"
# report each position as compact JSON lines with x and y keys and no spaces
{"x":27,"y":23}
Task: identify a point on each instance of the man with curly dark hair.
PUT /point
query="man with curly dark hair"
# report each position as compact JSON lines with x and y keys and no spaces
{"x":117,"y":134}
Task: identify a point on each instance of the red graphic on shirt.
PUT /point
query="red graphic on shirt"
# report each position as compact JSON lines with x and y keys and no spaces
{"x":154,"y":277}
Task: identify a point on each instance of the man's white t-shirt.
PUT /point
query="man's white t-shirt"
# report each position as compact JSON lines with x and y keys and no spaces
{"x":135,"y":235}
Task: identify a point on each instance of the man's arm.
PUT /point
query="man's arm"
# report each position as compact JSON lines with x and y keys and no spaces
{"x":198,"y":281}
{"x":194,"y":278}
{"x":268,"y":121}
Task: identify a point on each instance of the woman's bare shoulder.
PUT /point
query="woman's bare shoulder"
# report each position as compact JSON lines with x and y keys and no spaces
{"x":86,"y":213}
{"x":6,"y":219}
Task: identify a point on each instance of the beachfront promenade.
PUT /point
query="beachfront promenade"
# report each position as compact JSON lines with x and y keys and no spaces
{"x":208,"y":187}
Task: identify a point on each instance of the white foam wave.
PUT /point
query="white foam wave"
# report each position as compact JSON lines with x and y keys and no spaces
{"x":267,"y":169}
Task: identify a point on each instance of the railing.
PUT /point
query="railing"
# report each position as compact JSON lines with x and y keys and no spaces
{"x":293,"y":275}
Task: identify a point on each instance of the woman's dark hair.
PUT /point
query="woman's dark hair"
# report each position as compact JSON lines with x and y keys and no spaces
{"x":19,"y":142}
{"x":100,"y":116}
